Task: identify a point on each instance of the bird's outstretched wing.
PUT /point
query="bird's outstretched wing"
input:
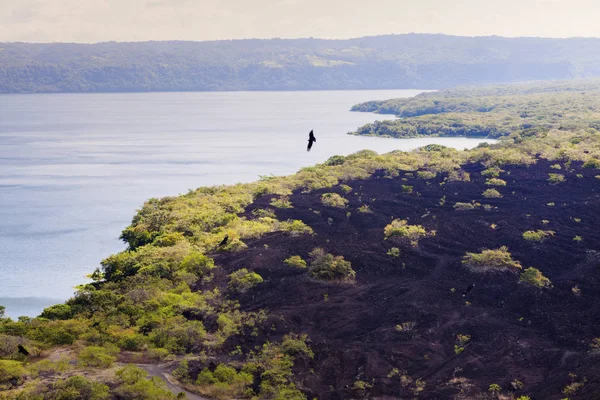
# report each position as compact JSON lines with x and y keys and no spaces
{"x":311,"y":140}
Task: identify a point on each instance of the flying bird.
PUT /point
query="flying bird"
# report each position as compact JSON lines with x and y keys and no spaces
{"x":23,"y":350}
{"x":224,"y":241}
{"x":471,"y":286}
{"x":311,"y":140}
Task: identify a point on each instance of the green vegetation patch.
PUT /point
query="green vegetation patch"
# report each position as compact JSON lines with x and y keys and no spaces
{"x":491,"y":194}
{"x":295,"y":261}
{"x":242,"y":280}
{"x":466,"y":206}
{"x":537,"y":236}
{"x":328,"y":267}
{"x":556,"y":178}
{"x":401,"y":228}
{"x":495,"y":182}
{"x":534,"y":277}
{"x":459,"y":175}
{"x":491,"y":261}
{"x":334,"y":200}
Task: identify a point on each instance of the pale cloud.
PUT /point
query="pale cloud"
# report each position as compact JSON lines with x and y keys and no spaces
{"x":135,"y":20}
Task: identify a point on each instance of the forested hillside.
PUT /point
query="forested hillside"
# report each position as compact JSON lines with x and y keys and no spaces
{"x":491,"y":112}
{"x":381,"y":62}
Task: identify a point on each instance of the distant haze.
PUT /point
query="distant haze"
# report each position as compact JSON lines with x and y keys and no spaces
{"x":139,"y":20}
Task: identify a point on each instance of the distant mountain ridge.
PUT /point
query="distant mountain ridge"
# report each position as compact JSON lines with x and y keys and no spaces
{"x":378,"y":62}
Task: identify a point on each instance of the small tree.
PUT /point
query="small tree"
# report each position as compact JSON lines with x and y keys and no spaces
{"x":242,"y":280}
{"x":329,"y":267}
{"x":534,"y":277}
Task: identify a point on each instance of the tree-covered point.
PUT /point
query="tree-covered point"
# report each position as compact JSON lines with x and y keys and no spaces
{"x":381,"y":62}
{"x":530,"y":110}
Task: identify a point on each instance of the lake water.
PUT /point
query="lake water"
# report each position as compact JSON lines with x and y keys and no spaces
{"x":75,"y":167}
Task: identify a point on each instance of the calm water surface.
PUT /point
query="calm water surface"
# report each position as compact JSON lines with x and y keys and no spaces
{"x":74,"y":167}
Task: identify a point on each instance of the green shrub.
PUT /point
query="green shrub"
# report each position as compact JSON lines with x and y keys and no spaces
{"x":346,"y":189}
{"x":58,"y":311}
{"x":466,"y":206}
{"x":537,"y":236}
{"x":426,"y":174}
{"x":205,"y":377}
{"x":136,"y":385}
{"x":168,"y":239}
{"x":491,"y":194}
{"x":296,"y":262}
{"x":326,"y":266}
{"x":459,"y":176}
{"x":393,"y":252}
{"x":491,"y":261}
{"x":223,"y":373}
{"x":295,"y":228}
{"x":242,"y":280}
{"x":407,"y":189}
{"x":225,"y":382}
{"x":495,"y":182}
{"x":281,"y":202}
{"x":78,"y":387}
{"x":364,"y":209}
{"x":12,"y":374}
{"x":494,"y":388}
{"x":592,"y":163}
{"x":294,"y":345}
{"x":492,"y":171}
{"x":334,"y":200}
{"x":534,"y":277}
{"x":157,"y":354}
{"x":556,"y":178}
{"x":96,"y":356}
{"x":406,"y":327}
{"x":401,"y":228}
{"x":335,"y":160}
{"x":198,"y":264}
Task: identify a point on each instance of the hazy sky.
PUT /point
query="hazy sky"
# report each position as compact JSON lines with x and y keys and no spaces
{"x":135,"y":20}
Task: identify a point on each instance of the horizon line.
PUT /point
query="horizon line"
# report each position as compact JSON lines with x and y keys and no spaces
{"x":309,"y":38}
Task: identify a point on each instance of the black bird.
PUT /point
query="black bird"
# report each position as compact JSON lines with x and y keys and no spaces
{"x":311,"y":140}
{"x":23,"y":350}
{"x":471,"y":286}
{"x":224,"y":241}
